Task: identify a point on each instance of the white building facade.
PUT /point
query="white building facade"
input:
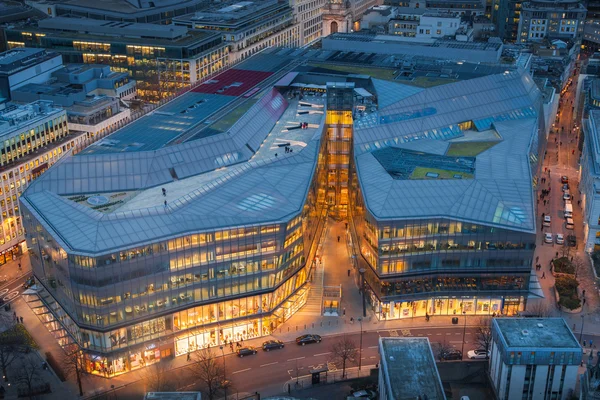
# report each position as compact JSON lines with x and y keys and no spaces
{"x":590,"y":182}
{"x":437,"y":25}
{"x":533,"y":359}
{"x":39,"y":135}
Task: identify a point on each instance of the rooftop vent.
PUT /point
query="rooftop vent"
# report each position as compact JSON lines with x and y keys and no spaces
{"x":540,"y":325}
{"x":392,"y":358}
{"x":525,"y":332}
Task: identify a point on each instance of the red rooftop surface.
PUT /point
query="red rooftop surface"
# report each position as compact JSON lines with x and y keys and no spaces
{"x":233,"y":82}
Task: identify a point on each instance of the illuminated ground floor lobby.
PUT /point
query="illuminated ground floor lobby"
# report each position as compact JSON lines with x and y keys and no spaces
{"x":469,"y":305}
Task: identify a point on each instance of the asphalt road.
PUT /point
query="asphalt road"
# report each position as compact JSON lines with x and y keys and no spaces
{"x":267,"y":372}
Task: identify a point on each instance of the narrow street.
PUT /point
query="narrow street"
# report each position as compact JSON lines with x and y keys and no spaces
{"x":562,"y":159}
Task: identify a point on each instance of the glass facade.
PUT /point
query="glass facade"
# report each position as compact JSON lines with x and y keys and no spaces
{"x":441,"y":266}
{"x":131,"y":307}
{"x":160,"y":70}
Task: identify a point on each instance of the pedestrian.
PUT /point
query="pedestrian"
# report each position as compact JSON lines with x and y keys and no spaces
{"x":537,"y":258}
{"x":543,"y":275}
{"x":591,"y":341}
{"x":556,"y":254}
{"x":20,"y":269}
{"x":571,"y":258}
{"x":188,"y":356}
{"x":338,"y":238}
{"x":344,"y":311}
{"x":348,"y":272}
{"x":544,"y":202}
{"x":583,"y":292}
{"x":583,"y":342}
{"x":21,"y":319}
{"x":584,"y":304}
{"x":351,"y":320}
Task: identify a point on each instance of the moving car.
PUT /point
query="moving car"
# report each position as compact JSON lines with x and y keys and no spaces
{"x":547,"y":220}
{"x":478,"y":354}
{"x":272,"y":344}
{"x":246,"y":351}
{"x":28,"y":283}
{"x":564,"y":179}
{"x":452,"y":355}
{"x":548,"y":238}
{"x":304,"y":339}
{"x":560,"y":238}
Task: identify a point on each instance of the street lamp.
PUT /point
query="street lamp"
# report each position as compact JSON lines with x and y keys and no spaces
{"x":464,"y":333}
{"x":360,"y":345}
{"x":362,"y":286}
{"x":224,"y":372}
{"x":581,"y":333}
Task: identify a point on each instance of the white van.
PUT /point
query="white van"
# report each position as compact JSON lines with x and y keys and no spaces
{"x":569,"y":210}
{"x":569,"y":224}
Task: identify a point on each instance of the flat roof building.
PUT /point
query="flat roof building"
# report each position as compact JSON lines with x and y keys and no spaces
{"x":162,"y":59}
{"x":408,"y":370}
{"x":484,"y":52}
{"x":537,"y":358}
{"x":21,"y":66}
{"x":248,"y":26}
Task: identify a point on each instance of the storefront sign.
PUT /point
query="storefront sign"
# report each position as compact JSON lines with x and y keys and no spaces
{"x":151,"y":346}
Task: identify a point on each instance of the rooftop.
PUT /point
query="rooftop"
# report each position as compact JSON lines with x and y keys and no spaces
{"x":173,"y":396}
{"x":421,"y":379}
{"x":546,"y":333}
{"x":233,"y":12}
{"x":118,"y":32}
{"x":120,"y":7}
{"x":495,"y":190}
{"x":14,"y":60}
{"x":14,"y":118}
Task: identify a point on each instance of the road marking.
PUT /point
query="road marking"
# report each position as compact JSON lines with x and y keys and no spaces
{"x":394,"y":333}
{"x":457,"y":333}
{"x":294,"y":359}
{"x":373,"y":347}
{"x":264,"y":365}
{"x":429,"y":334}
{"x":372,"y":357}
{"x":438,"y":334}
{"x":420,"y":334}
{"x":405,"y":332}
{"x":332,"y":367}
{"x":455,"y":341}
{"x":323,"y":354}
{"x":241,"y":370}
{"x":448,"y":333}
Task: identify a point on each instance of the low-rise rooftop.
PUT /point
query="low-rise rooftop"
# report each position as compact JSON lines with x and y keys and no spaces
{"x":12,"y":61}
{"x":545,"y":333}
{"x":410,"y":370}
{"x":173,"y":396}
{"x":15,"y":118}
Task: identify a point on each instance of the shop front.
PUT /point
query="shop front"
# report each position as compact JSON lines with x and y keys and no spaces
{"x":11,"y":254}
{"x":448,"y":305}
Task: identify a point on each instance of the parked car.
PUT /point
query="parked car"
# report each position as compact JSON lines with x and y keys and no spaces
{"x":272,"y":344}
{"x":452,"y":355}
{"x":548,"y":238}
{"x":566,"y":195}
{"x":564,"y":179}
{"x":565,"y":187}
{"x":478,"y":354}
{"x":28,"y":283}
{"x":363,"y":394}
{"x":572,"y":241}
{"x":246,"y":351}
{"x":304,"y":339}
{"x":547,"y":220}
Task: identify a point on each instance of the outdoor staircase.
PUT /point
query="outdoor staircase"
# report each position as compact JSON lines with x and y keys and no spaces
{"x":314,"y":302}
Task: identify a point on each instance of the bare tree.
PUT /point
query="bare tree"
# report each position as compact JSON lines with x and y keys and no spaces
{"x":443,"y":348}
{"x":28,"y":374}
{"x":73,"y":366}
{"x":156,"y":377}
{"x":208,"y":367}
{"x":344,"y":351}
{"x":579,"y":263}
{"x":12,"y":343}
{"x":539,"y":309}
{"x":483,"y":335}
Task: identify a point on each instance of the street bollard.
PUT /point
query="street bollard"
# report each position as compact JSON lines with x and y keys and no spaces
{"x":321,"y":323}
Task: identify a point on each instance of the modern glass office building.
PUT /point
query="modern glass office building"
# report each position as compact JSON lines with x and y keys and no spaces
{"x":143,"y":255}
{"x":443,"y":205}
{"x":144,"y":250}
